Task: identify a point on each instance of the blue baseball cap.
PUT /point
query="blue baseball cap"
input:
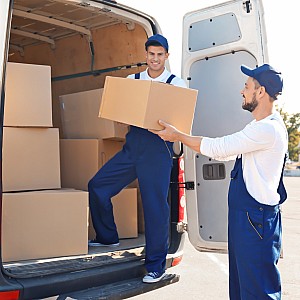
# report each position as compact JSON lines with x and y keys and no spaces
{"x":157,"y":39}
{"x":267,"y":77}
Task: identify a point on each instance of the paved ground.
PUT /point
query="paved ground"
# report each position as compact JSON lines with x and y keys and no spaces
{"x":204,"y":276}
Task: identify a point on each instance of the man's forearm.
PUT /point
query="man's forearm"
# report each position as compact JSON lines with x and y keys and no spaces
{"x":170,"y":133}
{"x":192,"y":142}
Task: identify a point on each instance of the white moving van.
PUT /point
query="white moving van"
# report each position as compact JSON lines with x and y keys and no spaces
{"x":79,"y":43}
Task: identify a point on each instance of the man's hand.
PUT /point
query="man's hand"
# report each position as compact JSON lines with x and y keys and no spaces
{"x":169,"y":133}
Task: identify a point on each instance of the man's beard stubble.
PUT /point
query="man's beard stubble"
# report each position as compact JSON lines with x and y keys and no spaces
{"x":251,"y":105}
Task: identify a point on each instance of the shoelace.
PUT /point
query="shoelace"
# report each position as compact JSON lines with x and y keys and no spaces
{"x":154,"y":274}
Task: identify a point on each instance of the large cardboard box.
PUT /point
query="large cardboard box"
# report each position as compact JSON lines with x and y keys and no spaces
{"x":44,"y":224}
{"x":81,"y":159}
{"x":30,"y":159}
{"x":79,"y":114}
{"x":142,"y":103}
{"x":28,"y":101}
{"x":125,"y":214}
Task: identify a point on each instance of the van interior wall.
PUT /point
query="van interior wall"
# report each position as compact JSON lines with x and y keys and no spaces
{"x":113,"y":46}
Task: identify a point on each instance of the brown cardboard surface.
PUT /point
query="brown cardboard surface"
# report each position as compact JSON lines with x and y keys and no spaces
{"x":30,"y":159}
{"x":44,"y":224}
{"x":28,"y":101}
{"x":125,"y":214}
{"x":142,"y":103}
{"x":82,"y":158}
{"x":79,"y":113}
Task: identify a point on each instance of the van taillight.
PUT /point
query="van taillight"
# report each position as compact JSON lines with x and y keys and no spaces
{"x":176,"y":260}
{"x":9,"y":295}
{"x":181,"y":190}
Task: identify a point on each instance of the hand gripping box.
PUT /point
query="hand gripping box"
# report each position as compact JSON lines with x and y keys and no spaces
{"x":143,"y":102}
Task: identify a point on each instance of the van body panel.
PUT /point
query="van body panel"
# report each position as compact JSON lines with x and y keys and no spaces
{"x":216,"y":42}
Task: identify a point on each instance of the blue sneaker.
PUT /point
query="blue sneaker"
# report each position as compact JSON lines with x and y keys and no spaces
{"x":95,"y":243}
{"x":152,"y":277}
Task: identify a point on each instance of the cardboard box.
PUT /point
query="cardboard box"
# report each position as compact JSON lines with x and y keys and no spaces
{"x":79,"y":114}
{"x":30,"y":159}
{"x":142,"y":103}
{"x":44,"y":224}
{"x":81,"y":159}
{"x":28,"y":100}
{"x":125,"y":214}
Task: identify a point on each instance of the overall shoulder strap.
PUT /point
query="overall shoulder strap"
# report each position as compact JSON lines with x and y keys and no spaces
{"x":170,"y":78}
{"x":138,"y":75}
{"x":281,"y":188}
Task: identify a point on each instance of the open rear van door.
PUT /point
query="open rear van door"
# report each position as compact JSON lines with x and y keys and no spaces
{"x":216,"y":42}
{"x":5,"y":17}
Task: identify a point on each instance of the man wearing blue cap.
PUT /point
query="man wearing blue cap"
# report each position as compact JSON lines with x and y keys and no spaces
{"x":149,"y":158}
{"x":256,"y":189}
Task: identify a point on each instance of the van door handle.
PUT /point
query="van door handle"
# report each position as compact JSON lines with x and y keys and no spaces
{"x":215,"y":171}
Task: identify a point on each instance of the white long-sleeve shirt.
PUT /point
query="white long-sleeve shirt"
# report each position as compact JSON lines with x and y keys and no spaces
{"x":263,"y":145}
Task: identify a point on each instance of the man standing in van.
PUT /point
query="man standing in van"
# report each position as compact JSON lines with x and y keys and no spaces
{"x":256,"y":189}
{"x":148,"y":158}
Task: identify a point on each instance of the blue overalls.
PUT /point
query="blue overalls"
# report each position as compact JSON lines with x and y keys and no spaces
{"x":254,"y":242}
{"x":150,"y":159}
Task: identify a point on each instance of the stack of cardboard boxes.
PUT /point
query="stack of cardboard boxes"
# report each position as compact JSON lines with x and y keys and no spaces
{"x":88,"y":143}
{"x":40,"y":219}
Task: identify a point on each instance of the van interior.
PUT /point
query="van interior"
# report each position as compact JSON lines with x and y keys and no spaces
{"x":82,"y":42}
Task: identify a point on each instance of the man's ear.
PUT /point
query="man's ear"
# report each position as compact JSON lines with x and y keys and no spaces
{"x":262,"y":91}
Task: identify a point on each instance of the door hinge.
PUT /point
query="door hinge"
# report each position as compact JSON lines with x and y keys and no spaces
{"x":247,"y":6}
{"x":181,"y":227}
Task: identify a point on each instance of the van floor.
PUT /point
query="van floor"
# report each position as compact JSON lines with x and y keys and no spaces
{"x":129,"y":249}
